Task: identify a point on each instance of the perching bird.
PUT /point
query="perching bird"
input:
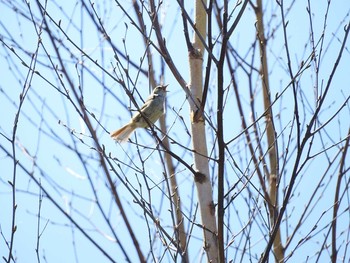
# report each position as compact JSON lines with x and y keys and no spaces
{"x":152,"y":110}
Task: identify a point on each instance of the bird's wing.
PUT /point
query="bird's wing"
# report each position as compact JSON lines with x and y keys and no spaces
{"x":146,"y":113}
{"x":148,"y":101}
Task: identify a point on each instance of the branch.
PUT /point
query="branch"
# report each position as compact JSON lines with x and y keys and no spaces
{"x":341,"y":173}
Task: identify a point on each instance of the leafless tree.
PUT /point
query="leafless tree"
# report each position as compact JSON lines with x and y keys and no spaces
{"x":249,"y":163}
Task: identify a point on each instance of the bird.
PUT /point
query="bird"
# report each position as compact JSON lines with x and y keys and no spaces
{"x":153,"y":109}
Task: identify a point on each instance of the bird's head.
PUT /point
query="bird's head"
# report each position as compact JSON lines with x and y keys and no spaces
{"x":160,"y":89}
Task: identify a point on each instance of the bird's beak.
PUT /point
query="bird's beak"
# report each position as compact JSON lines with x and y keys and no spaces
{"x":165,"y":86}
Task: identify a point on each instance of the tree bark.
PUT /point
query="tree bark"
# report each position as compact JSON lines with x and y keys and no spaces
{"x":270,"y":133}
{"x":202,"y":178}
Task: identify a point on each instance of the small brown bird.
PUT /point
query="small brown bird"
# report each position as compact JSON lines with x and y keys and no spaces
{"x":152,"y":110}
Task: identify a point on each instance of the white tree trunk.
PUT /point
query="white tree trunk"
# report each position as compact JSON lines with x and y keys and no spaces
{"x":202,"y":179}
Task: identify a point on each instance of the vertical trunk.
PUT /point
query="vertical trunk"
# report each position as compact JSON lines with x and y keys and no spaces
{"x":271,"y":135}
{"x":179,"y":226}
{"x":202,"y":178}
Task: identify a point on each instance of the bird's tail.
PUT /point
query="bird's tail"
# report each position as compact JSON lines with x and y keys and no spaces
{"x":123,"y":133}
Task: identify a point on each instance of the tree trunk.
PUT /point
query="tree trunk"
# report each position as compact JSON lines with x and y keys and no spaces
{"x":202,"y":178}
